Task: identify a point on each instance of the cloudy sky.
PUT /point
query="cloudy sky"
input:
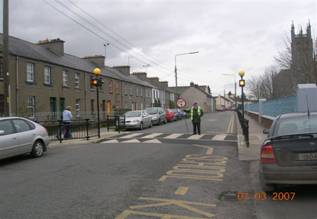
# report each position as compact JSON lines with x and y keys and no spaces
{"x":229,"y":34}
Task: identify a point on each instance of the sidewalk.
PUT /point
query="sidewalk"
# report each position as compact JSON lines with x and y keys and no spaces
{"x":103,"y":134}
{"x":256,"y":138}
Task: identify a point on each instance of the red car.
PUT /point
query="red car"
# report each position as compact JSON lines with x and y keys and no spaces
{"x":169,"y":115}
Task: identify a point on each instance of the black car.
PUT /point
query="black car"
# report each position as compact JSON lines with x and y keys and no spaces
{"x":289,"y":154}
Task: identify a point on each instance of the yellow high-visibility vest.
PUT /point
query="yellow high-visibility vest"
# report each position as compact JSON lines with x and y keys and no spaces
{"x":192,"y":112}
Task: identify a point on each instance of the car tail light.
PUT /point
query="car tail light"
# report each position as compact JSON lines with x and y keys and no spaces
{"x":267,"y":154}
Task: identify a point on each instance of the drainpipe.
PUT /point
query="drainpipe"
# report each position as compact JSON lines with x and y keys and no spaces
{"x":16,"y":85}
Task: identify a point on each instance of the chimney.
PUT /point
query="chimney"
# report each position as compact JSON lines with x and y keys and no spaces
{"x":98,"y":60}
{"x":56,"y":46}
{"x":164,"y":84}
{"x":140,"y":75}
{"x":125,"y":69}
{"x":155,"y":81}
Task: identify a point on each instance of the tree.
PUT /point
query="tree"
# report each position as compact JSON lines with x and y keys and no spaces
{"x":284,"y":57}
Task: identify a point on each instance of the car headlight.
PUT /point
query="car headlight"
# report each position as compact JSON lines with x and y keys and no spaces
{"x":136,"y":121}
{"x":155,"y":117}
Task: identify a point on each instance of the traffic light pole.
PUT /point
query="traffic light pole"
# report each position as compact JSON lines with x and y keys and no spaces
{"x":242,"y":102}
{"x":98,"y":118}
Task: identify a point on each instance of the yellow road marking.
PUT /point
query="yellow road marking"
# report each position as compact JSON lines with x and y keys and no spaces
{"x":230,"y":124}
{"x":192,"y":177}
{"x":182,"y":190}
{"x":127,"y":213}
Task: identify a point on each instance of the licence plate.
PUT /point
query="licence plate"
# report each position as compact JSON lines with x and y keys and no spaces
{"x":307,"y":156}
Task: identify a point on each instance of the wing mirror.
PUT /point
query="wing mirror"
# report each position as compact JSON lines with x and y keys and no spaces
{"x":266,"y":131}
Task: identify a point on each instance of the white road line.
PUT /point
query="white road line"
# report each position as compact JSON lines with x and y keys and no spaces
{"x":173,"y":136}
{"x":152,"y":141}
{"x":219,"y":137}
{"x":131,"y":135}
{"x":110,"y":141}
{"x":131,"y":141}
{"x":196,"y":136}
{"x":230,"y":124}
{"x":153,"y":135}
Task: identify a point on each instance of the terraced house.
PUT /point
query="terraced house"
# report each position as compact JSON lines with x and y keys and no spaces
{"x":44,"y":79}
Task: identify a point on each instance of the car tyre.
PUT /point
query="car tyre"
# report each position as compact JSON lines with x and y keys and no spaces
{"x":151,"y":124}
{"x":38,"y":149}
{"x":141,"y":126}
{"x":265,"y":186}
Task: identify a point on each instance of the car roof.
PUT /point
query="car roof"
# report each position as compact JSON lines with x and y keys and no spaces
{"x":294,"y":115}
{"x":11,"y":117}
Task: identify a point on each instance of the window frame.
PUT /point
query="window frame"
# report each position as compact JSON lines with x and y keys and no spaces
{"x":30,"y":73}
{"x":65,"y":77}
{"x":12,"y":125}
{"x":33,"y":106}
{"x":16,"y":130}
{"x":50,"y":75}
{"x":77,"y":80}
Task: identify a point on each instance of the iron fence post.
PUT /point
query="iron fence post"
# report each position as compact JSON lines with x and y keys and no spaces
{"x":108,"y":126}
{"x":60,"y":130}
{"x":87,"y":129}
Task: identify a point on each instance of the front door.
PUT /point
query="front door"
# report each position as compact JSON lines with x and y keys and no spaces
{"x":109,"y":107}
{"x":61,"y":105}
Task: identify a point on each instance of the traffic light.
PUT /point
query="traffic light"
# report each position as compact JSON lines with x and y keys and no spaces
{"x":241,"y":83}
{"x":94,"y":82}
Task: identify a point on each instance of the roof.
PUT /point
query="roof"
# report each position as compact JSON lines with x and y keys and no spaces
{"x":182,"y":89}
{"x":30,"y":50}
{"x":293,"y":115}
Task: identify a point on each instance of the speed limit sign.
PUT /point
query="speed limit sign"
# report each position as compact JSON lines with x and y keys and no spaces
{"x":180,"y":103}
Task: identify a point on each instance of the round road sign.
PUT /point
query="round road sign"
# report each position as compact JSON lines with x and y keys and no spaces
{"x":180,"y":103}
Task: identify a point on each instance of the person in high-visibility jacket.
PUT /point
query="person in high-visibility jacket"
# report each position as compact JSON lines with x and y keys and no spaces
{"x":195,"y":114}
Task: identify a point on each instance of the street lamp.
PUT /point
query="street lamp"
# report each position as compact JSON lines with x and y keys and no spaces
{"x":181,"y":54}
{"x":235,"y":88}
{"x":242,"y":84}
{"x":97,"y":82}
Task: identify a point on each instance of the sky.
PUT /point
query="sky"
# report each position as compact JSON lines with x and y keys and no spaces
{"x":230,"y":35}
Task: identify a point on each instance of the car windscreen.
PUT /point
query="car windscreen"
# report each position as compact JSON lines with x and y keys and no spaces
{"x":151,"y":111}
{"x":297,"y":125}
{"x":133,"y":114}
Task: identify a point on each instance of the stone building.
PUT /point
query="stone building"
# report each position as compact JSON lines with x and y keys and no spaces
{"x":44,"y":79}
{"x":303,"y":64}
{"x":196,"y":93}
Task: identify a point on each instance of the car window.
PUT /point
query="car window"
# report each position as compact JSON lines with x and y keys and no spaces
{"x":297,"y":125}
{"x":21,"y":125}
{"x":6,"y":127}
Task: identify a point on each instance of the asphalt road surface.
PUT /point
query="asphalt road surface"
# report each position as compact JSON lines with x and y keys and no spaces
{"x":189,"y":178}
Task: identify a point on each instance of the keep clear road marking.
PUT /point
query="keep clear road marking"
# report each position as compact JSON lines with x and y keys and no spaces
{"x":196,"y":136}
{"x":152,"y":135}
{"x":131,"y":135}
{"x":173,"y":136}
{"x":152,"y":141}
{"x":131,"y":141}
{"x":182,"y":190}
{"x":110,"y":141}
{"x":194,"y":208}
{"x":219,"y":137}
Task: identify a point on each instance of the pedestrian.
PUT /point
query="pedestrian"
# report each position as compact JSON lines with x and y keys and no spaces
{"x":195,"y":114}
{"x":67,"y":121}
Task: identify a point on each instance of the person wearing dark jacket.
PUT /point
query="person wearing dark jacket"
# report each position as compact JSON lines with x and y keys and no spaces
{"x":195,"y":115}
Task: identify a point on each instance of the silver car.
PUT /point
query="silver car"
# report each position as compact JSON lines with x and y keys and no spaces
{"x":137,"y":119}
{"x":157,"y":114}
{"x":289,"y":154}
{"x":21,"y":136}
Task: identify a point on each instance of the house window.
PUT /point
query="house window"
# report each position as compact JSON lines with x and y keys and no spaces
{"x":141,"y":93}
{"x":117,"y":88}
{"x":110,"y":87}
{"x":77,"y":108}
{"x":1,"y":71}
{"x":65,"y":78}
{"x":77,"y":75}
{"x":31,"y":105}
{"x":53,"y":108}
{"x":92,"y":106}
{"x":30,"y":72}
{"x":47,"y":75}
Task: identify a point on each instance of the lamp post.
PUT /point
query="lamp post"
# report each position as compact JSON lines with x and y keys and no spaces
{"x":105,"y":45}
{"x":97,"y":82}
{"x":242,"y":84}
{"x":181,"y":54}
{"x":235,"y":88}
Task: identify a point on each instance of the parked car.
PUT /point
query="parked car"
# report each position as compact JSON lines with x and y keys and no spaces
{"x":22,"y":136}
{"x":157,"y":114}
{"x":179,"y":114}
{"x":137,"y":119}
{"x":289,"y":154}
{"x":170,"y":115}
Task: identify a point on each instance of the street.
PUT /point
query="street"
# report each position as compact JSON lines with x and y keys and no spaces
{"x":126,"y":177}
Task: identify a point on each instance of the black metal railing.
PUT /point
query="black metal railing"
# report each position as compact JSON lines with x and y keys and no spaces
{"x":81,"y":129}
{"x":244,"y":125}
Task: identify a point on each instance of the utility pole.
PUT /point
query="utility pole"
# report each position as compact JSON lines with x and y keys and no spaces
{"x":181,"y":54}
{"x":5,"y":48}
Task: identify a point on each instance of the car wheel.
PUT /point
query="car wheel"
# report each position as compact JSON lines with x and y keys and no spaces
{"x":151,"y":124}
{"x":38,"y":149}
{"x":159,"y":122}
{"x":141,"y":126}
